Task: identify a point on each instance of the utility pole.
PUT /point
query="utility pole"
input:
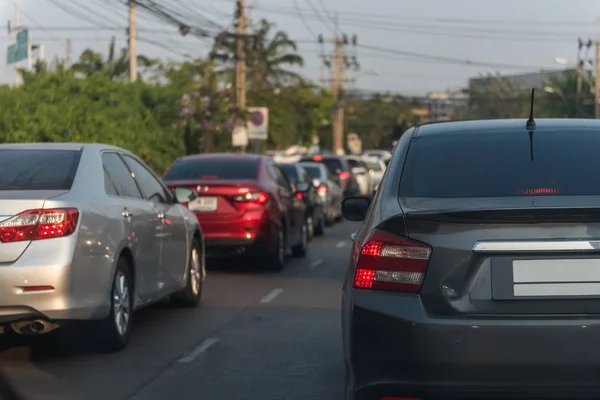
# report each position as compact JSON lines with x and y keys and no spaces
{"x":240,"y":67}
{"x":14,"y":31}
{"x":597,"y":83}
{"x":68,"y":55}
{"x":133,"y":69}
{"x":338,"y":62}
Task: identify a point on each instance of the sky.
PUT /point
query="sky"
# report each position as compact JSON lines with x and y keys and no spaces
{"x":403,"y":46}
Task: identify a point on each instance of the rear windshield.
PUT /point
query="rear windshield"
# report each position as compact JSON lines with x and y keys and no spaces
{"x":313,"y":170}
{"x":290,"y":170}
{"x":38,"y":169}
{"x":354,"y":163}
{"x":501,"y":165}
{"x":373,"y":166}
{"x":334,"y":165}
{"x":212,"y":169}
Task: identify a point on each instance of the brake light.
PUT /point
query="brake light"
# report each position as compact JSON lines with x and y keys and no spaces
{"x":390,"y":262}
{"x":540,"y":191}
{"x":39,"y":224}
{"x":299,"y":196}
{"x":317,"y":158}
{"x":257,"y":198}
{"x":344,"y":175}
{"x":322,"y":190}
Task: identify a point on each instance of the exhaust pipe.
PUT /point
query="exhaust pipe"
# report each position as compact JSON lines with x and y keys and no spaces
{"x":35,"y":327}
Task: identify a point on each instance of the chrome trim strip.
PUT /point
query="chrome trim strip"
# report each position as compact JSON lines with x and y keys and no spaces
{"x":540,"y":245}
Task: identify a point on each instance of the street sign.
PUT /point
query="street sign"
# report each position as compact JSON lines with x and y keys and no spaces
{"x":239,"y":137}
{"x":258,"y":126}
{"x":354,"y":143}
{"x":20,"y":50}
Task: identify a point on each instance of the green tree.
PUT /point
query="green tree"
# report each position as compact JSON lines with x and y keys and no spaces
{"x":496,"y":97}
{"x":560,"y":99}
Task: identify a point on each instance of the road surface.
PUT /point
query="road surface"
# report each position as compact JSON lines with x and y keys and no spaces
{"x":257,"y":336}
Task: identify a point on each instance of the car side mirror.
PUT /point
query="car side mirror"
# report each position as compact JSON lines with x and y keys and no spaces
{"x":302,"y":187}
{"x":355,"y":208}
{"x":183,"y":195}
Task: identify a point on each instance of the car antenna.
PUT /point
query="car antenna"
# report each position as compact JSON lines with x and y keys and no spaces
{"x":531,"y":123}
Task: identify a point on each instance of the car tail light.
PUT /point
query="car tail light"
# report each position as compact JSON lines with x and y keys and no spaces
{"x":322,"y":190}
{"x":257,"y":198}
{"x":344,"y":175}
{"x":317,"y":158}
{"x":299,"y":196}
{"x":390,"y":262}
{"x":540,"y":191}
{"x":39,"y":224}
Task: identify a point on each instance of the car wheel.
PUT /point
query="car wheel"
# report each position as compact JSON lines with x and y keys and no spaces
{"x":320,"y":228}
{"x":115,"y":330}
{"x":339,"y":219}
{"x":276,"y":258}
{"x":311,"y":227}
{"x":191,"y":294}
{"x":301,"y":248}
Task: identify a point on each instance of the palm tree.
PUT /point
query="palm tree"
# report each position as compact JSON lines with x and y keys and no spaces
{"x":91,"y":62}
{"x":265,"y":59}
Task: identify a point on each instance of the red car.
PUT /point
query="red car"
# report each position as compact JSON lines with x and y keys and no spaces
{"x":245,"y":206}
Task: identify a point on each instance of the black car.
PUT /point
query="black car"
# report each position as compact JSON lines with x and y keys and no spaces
{"x":302,"y":182}
{"x":328,"y":189}
{"x":339,"y":168}
{"x":476,"y":271}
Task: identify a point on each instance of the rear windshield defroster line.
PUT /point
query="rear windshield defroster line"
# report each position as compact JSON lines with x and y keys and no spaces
{"x":227,"y":169}
{"x":499,"y":164}
{"x":25,"y":169}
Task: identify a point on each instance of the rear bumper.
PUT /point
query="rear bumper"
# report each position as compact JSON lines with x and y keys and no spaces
{"x":393,"y":348}
{"x":81,"y":284}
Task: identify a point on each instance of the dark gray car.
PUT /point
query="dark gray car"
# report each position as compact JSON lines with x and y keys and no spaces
{"x":476,"y":272}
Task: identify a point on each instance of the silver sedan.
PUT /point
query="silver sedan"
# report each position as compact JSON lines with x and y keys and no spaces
{"x":89,"y":233}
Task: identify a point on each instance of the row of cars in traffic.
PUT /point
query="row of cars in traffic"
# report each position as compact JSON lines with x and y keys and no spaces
{"x":89,"y":233}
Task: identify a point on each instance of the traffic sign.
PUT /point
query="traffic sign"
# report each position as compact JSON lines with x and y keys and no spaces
{"x":258,"y":126}
{"x":20,"y":50}
{"x":239,"y":136}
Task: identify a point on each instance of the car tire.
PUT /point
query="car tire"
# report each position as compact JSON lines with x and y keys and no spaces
{"x":191,"y":294}
{"x":301,"y":249}
{"x":276,"y":259}
{"x":320,"y":228}
{"x":311,"y":227}
{"x":115,"y":330}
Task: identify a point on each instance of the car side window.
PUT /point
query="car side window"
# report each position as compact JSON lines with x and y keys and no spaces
{"x":280,"y":177}
{"x":109,"y":186}
{"x":120,"y":175}
{"x":151,"y":187}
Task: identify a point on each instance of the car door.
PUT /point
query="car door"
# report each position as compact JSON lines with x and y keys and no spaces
{"x":139,"y":223}
{"x":171,"y":231}
{"x":285,"y":196}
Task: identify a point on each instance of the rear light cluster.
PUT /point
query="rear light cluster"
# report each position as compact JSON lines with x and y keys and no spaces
{"x":299,"y":195}
{"x":39,"y":224}
{"x":322,"y":190}
{"x":257,"y":198}
{"x":540,"y":191}
{"x":390,"y":262}
{"x":344,"y":175}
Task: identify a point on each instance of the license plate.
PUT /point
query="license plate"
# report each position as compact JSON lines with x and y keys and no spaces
{"x":203,"y":204}
{"x":556,"y":277}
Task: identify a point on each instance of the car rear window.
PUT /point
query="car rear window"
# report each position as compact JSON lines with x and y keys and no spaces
{"x":23,"y":169}
{"x":501,"y":165}
{"x":373,"y":166}
{"x":290,"y":170}
{"x":229,"y":169}
{"x":313,"y":170}
{"x":333,"y":164}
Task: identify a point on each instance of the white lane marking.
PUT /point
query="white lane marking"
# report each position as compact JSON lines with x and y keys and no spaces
{"x":271,"y":295}
{"x":316,"y":263}
{"x":201,"y":348}
{"x":340,"y":245}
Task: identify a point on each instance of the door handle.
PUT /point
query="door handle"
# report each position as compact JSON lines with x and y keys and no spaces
{"x":126,"y":213}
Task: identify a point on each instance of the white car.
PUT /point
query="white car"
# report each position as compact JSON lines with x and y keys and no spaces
{"x":376,"y":168}
{"x":360,"y":171}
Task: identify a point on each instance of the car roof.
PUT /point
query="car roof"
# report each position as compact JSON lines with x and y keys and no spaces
{"x":58,"y":146}
{"x":494,"y":125}
{"x":223,"y":156}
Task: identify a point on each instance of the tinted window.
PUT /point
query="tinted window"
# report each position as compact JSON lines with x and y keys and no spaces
{"x":38,"y":169}
{"x":150,"y":186}
{"x":120,"y":175}
{"x":313,"y":171}
{"x":500,"y":165}
{"x":291,"y":171}
{"x":226,"y":168}
{"x":280,"y":177}
{"x":109,"y":186}
{"x":373,"y":166}
{"x":334,"y":165}
{"x":353,"y":163}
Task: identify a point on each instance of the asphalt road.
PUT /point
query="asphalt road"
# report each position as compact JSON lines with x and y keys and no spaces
{"x":257,"y":336}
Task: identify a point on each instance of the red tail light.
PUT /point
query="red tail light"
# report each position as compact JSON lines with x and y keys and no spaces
{"x":257,"y":198}
{"x":322,"y":190}
{"x":39,"y":224}
{"x":390,"y":262}
{"x":540,"y":191}
{"x":317,"y":158}
{"x":344,"y":175}
{"x":299,"y":196}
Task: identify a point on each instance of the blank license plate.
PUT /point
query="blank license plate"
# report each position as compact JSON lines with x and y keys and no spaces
{"x":203,"y":204}
{"x":566,"y":277}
